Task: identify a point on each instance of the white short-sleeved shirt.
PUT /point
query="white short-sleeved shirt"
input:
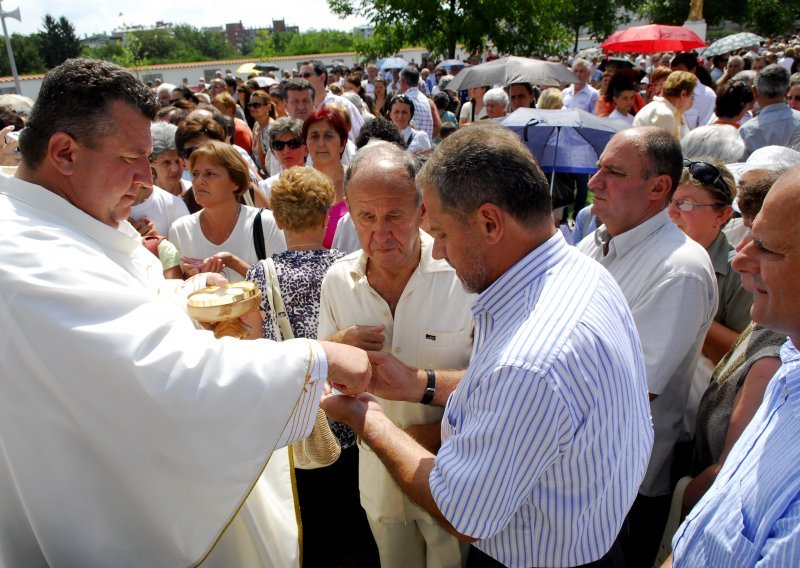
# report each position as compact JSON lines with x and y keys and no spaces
{"x":431,"y":329}
{"x":162,"y":208}
{"x":190,"y":240}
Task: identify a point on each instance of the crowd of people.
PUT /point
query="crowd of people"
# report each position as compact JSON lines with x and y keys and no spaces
{"x":507,"y":380}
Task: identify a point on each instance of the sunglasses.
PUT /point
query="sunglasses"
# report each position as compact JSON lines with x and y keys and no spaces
{"x":186,"y":152}
{"x":307,"y":75}
{"x":707,"y":174}
{"x":279,"y":145}
{"x":255,"y":105}
{"x":795,"y":98}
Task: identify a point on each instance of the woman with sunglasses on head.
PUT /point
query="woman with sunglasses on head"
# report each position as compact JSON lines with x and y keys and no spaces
{"x":191,"y":134}
{"x":286,"y":143}
{"x":325,"y":136}
{"x":219,"y":237}
{"x":263,"y":112}
{"x":401,"y":111}
{"x":700,"y":207}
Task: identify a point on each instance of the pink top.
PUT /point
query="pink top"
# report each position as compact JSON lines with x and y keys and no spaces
{"x":336,"y":212}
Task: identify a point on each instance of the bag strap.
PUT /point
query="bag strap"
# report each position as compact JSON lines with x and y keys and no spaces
{"x":258,"y":236}
{"x":281,"y":326}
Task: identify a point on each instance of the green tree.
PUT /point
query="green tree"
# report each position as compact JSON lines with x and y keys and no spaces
{"x":263,"y":45}
{"x":157,"y":46}
{"x":26,"y":55}
{"x":523,"y":27}
{"x":58,"y":41}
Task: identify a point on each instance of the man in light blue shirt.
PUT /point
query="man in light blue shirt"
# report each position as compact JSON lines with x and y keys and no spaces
{"x":547,"y":435}
{"x":777,"y":124}
{"x":751,"y":514}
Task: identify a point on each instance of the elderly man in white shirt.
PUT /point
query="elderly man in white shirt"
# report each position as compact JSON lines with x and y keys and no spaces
{"x":393,"y":296}
{"x":581,"y":95}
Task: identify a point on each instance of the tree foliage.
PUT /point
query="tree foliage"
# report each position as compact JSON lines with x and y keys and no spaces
{"x":58,"y":41}
{"x":27,"y":55}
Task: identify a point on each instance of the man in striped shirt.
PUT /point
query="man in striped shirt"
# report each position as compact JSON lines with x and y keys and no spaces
{"x":751,"y":514}
{"x":547,"y":435}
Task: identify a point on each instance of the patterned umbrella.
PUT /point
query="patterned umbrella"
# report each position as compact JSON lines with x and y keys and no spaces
{"x":732,"y":43}
{"x":652,"y":38}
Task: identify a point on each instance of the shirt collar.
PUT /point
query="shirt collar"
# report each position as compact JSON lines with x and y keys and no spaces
{"x":522,"y":274}
{"x":624,"y":243}
{"x":720,"y":253}
{"x":774,"y":107}
{"x":426,"y":262}
{"x":124,"y":239}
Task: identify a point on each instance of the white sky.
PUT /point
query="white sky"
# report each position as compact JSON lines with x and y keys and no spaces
{"x":96,"y":16}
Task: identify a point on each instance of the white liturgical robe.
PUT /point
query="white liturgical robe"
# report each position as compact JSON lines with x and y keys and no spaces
{"x":128,"y":437}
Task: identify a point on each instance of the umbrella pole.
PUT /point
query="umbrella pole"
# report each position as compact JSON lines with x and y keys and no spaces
{"x":555,"y":157}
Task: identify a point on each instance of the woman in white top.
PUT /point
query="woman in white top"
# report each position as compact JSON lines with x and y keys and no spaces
{"x":219,"y":237}
{"x":401,"y":111}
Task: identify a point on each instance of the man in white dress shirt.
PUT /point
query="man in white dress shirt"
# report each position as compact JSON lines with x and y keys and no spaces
{"x":671,"y":288}
{"x":130,"y":437}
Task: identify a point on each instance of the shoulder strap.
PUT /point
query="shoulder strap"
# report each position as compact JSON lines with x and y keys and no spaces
{"x":281,"y":326}
{"x":258,"y":236}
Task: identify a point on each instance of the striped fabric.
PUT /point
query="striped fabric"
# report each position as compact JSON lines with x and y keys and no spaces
{"x":751,"y":514}
{"x":548,"y":435}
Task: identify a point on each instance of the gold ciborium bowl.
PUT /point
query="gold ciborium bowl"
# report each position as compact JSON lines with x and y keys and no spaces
{"x":224,"y":306}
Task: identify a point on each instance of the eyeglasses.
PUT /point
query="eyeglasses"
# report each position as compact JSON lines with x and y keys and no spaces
{"x":795,"y":98}
{"x":255,"y":105}
{"x":707,"y":174}
{"x":687,"y":206}
{"x":186,"y":152}
{"x":279,"y":145}
{"x":307,"y":74}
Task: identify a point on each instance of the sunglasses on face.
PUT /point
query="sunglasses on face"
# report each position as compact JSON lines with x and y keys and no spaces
{"x":279,"y":145}
{"x":707,"y":174}
{"x":306,"y":75}
{"x":795,"y":98}
{"x":255,"y":105}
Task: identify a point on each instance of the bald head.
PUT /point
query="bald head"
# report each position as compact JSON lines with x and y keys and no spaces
{"x":379,"y":159}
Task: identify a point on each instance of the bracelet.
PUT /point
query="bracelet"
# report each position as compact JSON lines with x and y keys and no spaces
{"x":430,"y":390}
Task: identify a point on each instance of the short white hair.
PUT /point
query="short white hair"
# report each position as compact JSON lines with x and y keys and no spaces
{"x":169,"y":87}
{"x":718,"y":142}
{"x":497,"y":95}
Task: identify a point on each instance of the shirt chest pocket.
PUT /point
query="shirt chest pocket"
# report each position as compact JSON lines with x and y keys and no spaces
{"x":730,"y":541}
{"x":444,"y":350}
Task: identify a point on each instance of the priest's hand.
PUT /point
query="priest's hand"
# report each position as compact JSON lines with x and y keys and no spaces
{"x":349,"y":370}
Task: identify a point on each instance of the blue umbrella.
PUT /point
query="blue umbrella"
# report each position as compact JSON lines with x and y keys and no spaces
{"x":393,"y":63}
{"x":564,"y":141}
{"x":450,"y":63}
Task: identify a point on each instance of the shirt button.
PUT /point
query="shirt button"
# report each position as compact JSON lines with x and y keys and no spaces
{"x":386,"y":314}
{"x":397,"y":350}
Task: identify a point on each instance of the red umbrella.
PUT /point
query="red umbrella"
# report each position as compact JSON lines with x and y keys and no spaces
{"x":653,"y":38}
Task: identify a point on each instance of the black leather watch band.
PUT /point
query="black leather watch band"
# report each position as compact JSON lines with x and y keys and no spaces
{"x":430,"y":390}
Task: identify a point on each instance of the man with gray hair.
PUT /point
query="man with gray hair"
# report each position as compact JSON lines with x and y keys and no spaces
{"x":423,"y":115}
{"x":776,"y":124}
{"x":581,"y":95}
{"x":392,"y":296}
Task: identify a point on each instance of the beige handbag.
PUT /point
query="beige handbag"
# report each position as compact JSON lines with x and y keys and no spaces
{"x":321,"y":448}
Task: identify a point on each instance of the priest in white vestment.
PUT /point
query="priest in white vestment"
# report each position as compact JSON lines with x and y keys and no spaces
{"x":128,"y":436}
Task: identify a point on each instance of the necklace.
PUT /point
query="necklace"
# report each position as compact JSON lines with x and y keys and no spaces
{"x":207,"y":231}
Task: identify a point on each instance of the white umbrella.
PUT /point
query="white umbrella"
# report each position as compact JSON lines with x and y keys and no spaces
{"x":393,"y":63}
{"x":732,"y":43}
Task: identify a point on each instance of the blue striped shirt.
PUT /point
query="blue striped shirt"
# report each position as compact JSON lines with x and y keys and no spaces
{"x":751,"y":514}
{"x":547,"y":437}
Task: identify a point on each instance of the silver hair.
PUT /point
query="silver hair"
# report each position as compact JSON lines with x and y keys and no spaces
{"x":772,"y":81}
{"x":381,"y":150}
{"x":581,"y":62}
{"x":163,"y":135}
{"x":285,"y":125}
{"x":716,"y":143}
{"x":169,"y":87}
{"x":355,"y":100}
{"x":497,"y":95}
